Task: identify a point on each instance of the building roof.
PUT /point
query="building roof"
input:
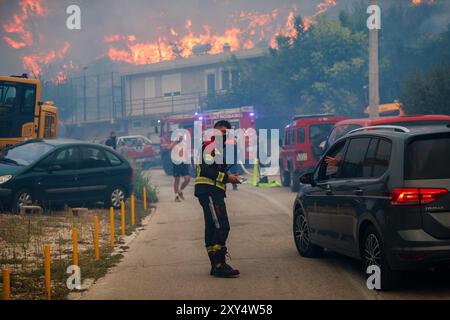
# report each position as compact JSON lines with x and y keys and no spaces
{"x":195,"y":61}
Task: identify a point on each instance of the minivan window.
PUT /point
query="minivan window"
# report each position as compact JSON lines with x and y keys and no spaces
{"x":93,"y":158}
{"x":377,"y":158}
{"x":382,"y":158}
{"x":427,"y":158}
{"x":354,"y":158}
{"x":330,"y":167}
{"x":370,"y":158}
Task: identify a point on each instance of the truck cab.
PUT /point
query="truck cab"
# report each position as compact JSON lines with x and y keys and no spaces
{"x":301,"y":147}
{"x":22,"y":115}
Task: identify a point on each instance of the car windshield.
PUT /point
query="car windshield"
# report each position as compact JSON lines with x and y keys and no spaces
{"x":24,"y":155}
{"x":317,"y":134}
{"x":339,"y":132}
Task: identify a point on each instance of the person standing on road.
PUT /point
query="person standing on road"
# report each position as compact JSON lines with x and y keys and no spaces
{"x":235,"y":167}
{"x":112,"y":141}
{"x":179,"y":171}
{"x":210,"y":189}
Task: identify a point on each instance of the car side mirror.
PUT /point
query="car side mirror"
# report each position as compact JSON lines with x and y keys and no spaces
{"x":308,"y":178}
{"x":54,"y":168}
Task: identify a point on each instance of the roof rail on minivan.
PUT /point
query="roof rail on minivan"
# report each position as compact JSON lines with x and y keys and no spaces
{"x":394,"y":128}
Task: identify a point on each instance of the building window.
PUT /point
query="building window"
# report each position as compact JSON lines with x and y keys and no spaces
{"x":226,"y":83}
{"x":211,"y":83}
{"x":172,"y":94}
{"x":150,"y":91}
{"x":171,"y":85}
{"x":230,"y":79}
{"x":234,"y":78}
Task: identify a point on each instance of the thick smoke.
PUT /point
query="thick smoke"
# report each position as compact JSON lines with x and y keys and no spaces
{"x":146,"y":19}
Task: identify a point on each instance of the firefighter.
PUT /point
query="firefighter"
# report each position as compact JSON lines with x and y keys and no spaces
{"x":210,"y":189}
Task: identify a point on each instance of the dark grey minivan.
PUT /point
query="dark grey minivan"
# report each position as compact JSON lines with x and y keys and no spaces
{"x":381,"y":195}
{"x":58,"y":171}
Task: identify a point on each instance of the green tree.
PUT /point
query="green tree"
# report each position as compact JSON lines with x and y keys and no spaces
{"x":428,"y":93}
{"x":320,"y":70}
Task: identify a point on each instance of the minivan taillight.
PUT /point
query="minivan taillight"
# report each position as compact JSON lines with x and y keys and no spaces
{"x":415,"y":196}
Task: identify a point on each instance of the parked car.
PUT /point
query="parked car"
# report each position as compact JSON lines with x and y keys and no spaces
{"x":63,"y":171}
{"x":138,"y":149}
{"x":340,"y":129}
{"x":381,"y":195}
{"x":301,"y":148}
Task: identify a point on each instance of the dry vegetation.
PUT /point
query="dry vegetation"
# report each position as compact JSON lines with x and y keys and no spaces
{"x":22,"y":240}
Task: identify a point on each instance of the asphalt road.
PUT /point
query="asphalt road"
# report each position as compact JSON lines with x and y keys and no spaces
{"x":168,"y":260}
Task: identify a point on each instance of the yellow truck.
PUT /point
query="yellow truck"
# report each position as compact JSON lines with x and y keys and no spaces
{"x":395,"y":109}
{"x":22,"y":115}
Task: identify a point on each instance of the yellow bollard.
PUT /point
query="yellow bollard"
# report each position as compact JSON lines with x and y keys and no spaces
{"x":75,"y":246}
{"x":6,"y":284}
{"x":48,"y":283}
{"x":145,"y":198}
{"x":122,"y":218}
{"x":256,"y":175}
{"x":96,"y":244}
{"x":132,"y":210}
{"x":111,"y":227}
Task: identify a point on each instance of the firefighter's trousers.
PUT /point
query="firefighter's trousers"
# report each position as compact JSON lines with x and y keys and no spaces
{"x":217,"y":226}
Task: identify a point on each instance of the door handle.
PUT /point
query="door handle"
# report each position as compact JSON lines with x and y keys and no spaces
{"x":329,"y":190}
{"x":358,"y":192}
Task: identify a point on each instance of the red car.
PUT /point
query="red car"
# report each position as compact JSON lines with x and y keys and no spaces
{"x":301,"y":149}
{"x":344,"y":127}
{"x":139,"y":150}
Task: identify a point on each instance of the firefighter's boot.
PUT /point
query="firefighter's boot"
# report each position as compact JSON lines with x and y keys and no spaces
{"x":220,"y":268}
{"x":211,"y":256}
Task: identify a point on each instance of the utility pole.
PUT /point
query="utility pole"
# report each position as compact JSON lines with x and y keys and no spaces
{"x":84,"y":95}
{"x":374,"y":86}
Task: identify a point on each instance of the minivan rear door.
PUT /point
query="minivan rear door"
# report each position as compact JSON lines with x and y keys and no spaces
{"x":427,"y":168}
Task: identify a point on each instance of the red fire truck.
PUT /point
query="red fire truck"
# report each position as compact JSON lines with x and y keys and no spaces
{"x":240,"y":118}
{"x":301,"y":150}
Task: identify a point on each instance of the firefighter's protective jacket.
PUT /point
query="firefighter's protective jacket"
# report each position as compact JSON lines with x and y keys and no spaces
{"x":211,"y":177}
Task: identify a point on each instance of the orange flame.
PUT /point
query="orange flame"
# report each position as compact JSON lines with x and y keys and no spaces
{"x":419,"y":2}
{"x":62,"y":77}
{"x":19,"y":27}
{"x":248,"y":29}
{"x":33,"y":63}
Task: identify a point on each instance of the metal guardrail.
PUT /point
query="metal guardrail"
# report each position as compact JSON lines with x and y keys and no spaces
{"x":191,"y":102}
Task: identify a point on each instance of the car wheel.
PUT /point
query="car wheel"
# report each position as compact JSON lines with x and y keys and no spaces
{"x":373,"y":254}
{"x":285,"y":177}
{"x":295,"y":187}
{"x":23,"y":197}
{"x":302,"y":237}
{"x":115,"y":198}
